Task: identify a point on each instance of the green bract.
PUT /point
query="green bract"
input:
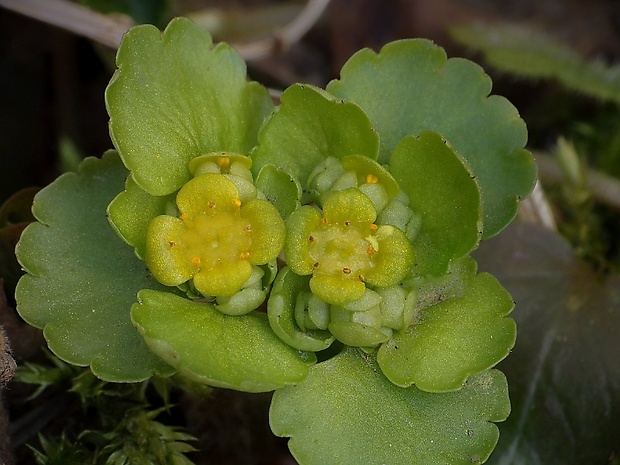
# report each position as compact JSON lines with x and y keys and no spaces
{"x":213,"y":348}
{"x":174,"y":97}
{"x":309,"y":126}
{"x":410,"y":87}
{"x":320,"y":249}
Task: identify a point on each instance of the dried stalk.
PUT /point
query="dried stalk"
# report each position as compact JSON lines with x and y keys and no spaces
{"x":109,"y":29}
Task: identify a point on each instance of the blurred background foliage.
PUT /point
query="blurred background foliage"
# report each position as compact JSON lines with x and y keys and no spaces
{"x":558,"y":61}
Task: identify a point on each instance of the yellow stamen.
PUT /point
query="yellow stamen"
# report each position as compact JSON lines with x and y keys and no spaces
{"x":183,"y":216}
{"x":223,"y":162}
{"x":371,"y":179}
{"x":236,"y":202}
{"x":244,"y":255}
{"x":196,"y":261}
{"x":373,"y":227}
{"x":324,"y":220}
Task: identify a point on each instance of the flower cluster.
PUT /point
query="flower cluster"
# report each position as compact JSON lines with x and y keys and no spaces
{"x":351,"y":239}
{"x":221,"y":237}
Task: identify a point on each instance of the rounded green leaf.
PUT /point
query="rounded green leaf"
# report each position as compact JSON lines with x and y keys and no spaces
{"x":175,"y":97}
{"x":82,"y":279}
{"x":131,"y":211}
{"x":445,"y":196}
{"x":309,"y":126}
{"x":410,"y":87}
{"x":234,"y":352}
{"x":453,"y":340}
{"x":348,"y":413}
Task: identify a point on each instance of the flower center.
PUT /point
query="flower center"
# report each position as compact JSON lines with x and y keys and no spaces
{"x":217,"y":238}
{"x":342,"y":249}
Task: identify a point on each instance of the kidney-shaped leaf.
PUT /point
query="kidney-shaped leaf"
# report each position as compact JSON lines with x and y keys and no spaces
{"x":175,"y":97}
{"x":235,"y":352}
{"x":309,"y":126}
{"x":410,"y":87}
{"x":452,"y":340}
{"x":82,"y":279}
{"x":348,"y":413}
{"x":444,"y":194}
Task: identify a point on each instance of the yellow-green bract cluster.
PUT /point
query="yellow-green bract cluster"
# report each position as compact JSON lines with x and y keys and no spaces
{"x":350,"y":239}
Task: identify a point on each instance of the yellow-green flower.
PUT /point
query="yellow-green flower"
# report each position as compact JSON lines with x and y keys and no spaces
{"x":344,"y":249}
{"x":216,"y":239}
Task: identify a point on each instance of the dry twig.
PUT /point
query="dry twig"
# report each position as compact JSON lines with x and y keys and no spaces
{"x":109,"y":29}
{"x":106,"y":30}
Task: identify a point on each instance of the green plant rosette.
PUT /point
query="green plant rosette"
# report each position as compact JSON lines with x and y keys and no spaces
{"x":429,"y":165}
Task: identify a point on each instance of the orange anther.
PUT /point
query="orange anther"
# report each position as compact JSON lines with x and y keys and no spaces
{"x":371,"y":179}
{"x":370,"y":250}
{"x":223,"y":162}
{"x":373,"y":227}
{"x":183,"y":216}
{"x":196,"y":261}
{"x":236,"y":202}
{"x":324,"y":220}
{"x":244,"y":255}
